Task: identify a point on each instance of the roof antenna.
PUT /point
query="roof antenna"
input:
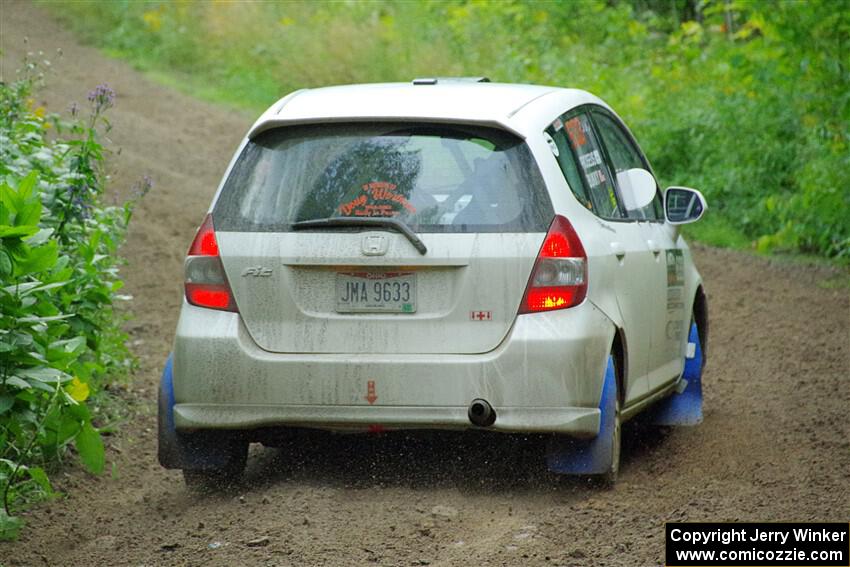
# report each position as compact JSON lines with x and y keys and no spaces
{"x":435,"y":80}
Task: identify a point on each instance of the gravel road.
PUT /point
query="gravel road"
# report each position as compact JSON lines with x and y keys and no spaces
{"x":775,"y":444}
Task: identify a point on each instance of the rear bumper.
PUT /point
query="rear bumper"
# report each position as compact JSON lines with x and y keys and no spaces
{"x":580,"y":422}
{"x":546,"y":376}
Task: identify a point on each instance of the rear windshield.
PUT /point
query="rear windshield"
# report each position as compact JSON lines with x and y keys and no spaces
{"x":433,"y":178}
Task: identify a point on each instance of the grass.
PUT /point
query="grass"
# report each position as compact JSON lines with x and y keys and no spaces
{"x":237,"y":92}
{"x":239,"y":97}
{"x":242,"y":94}
{"x":716,"y":231}
{"x":753,"y":118}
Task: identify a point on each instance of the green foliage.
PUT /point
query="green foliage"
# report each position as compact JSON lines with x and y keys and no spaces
{"x":59,"y":337}
{"x":747,"y":100}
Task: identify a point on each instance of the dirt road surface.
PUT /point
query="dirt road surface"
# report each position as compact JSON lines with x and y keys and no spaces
{"x":775,"y":444}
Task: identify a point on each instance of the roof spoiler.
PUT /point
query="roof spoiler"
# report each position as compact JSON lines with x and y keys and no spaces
{"x":436,"y":80}
{"x":268,"y":124}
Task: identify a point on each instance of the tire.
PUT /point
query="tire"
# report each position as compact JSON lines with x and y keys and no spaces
{"x":597,"y":459}
{"x":219,"y":478}
{"x":609,"y":477}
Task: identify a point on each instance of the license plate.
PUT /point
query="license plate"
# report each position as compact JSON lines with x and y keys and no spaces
{"x":376,"y":292}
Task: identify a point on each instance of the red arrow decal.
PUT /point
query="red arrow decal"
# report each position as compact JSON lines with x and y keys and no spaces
{"x":371,"y":396}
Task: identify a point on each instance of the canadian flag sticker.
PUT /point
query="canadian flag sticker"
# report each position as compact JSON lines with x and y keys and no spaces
{"x":481,"y":315}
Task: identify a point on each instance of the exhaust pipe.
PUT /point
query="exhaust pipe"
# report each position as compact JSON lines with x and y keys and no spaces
{"x":481,"y":413}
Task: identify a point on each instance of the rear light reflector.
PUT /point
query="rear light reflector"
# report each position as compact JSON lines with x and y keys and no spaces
{"x":559,"y":277}
{"x":548,"y":298}
{"x":206,"y":283}
{"x":214,"y":297}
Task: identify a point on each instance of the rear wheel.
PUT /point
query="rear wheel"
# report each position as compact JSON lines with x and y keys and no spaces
{"x":609,"y":477}
{"x":597,"y":459}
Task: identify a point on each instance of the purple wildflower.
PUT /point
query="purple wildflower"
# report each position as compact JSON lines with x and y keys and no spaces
{"x":141,"y":188}
{"x":81,"y":207}
{"x":102,"y":97}
{"x":76,"y":190}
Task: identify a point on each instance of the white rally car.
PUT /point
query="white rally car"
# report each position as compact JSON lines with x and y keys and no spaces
{"x":444,"y":254}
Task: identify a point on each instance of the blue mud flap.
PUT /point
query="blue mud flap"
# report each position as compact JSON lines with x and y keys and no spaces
{"x":565,"y":455}
{"x":685,"y":408}
{"x":181,"y":451}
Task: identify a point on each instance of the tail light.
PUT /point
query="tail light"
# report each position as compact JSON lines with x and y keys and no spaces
{"x":559,"y":277}
{"x":206,"y":283}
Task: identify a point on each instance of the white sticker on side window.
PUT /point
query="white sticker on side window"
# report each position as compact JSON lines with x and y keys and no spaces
{"x":596,"y":178}
{"x":552,"y":145}
{"x":590,"y":159}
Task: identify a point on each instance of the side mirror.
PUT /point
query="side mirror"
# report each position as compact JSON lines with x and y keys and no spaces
{"x":683,"y":205}
{"x":637,"y":188}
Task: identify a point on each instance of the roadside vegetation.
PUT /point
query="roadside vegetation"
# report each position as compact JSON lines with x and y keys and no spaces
{"x":61,"y":344}
{"x":748,"y":101}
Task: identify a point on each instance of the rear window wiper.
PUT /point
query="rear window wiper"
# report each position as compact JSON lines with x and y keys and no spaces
{"x":386,"y":222}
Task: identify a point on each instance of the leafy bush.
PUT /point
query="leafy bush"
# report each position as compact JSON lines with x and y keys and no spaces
{"x":59,"y":337}
{"x":748,"y":101}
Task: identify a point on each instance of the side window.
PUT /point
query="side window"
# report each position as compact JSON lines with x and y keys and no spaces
{"x":557,"y":139}
{"x":624,"y":155}
{"x":587,"y":151}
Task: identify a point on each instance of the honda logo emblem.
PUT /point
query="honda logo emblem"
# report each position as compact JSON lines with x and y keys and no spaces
{"x":374,"y":245}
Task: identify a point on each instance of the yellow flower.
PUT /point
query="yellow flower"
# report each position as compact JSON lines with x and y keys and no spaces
{"x":40,"y":111}
{"x":153,"y":20}
{"x":78,"y":390}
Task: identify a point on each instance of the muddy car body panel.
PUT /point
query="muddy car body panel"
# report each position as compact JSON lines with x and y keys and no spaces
{"x":412,"y":391}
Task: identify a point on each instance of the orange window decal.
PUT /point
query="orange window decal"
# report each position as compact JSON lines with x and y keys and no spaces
{"x":576,"y":132}
{"x":377,"y":200}
{"x":349,"y":208}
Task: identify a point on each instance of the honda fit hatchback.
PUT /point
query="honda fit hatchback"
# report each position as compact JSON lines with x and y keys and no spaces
{"x":445,"y":254}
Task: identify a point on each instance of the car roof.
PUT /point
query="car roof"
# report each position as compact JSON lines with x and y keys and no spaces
{"x":446,"y":100}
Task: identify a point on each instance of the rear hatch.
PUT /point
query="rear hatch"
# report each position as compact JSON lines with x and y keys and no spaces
{"x":381,"y":238}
